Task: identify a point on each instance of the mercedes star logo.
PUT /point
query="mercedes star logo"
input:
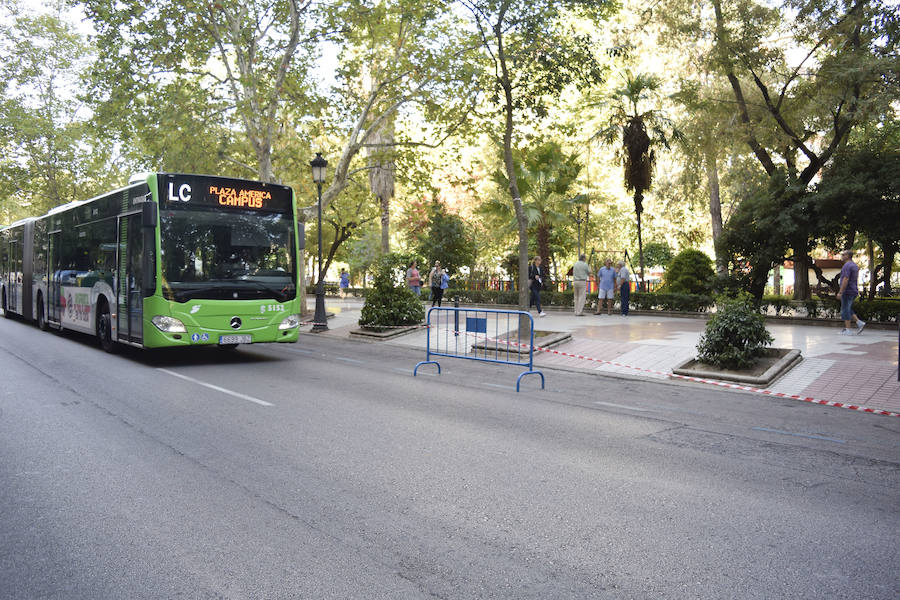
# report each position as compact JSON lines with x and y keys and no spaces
{"x":235,"y":322}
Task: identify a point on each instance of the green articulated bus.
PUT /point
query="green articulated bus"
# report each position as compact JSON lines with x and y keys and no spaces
{"x":169,"y":260}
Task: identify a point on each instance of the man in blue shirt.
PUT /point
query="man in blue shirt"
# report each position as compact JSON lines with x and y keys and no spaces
{"x":848,"y":292}
{"x":606,"y":282}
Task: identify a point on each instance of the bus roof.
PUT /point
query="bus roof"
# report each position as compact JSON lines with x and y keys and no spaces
{"x":18,"y":223}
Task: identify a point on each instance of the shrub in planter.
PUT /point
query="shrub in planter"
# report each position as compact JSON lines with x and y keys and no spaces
{"x":390,"y":302}
{"x":690,"y":272}
{"x":735,"y":336}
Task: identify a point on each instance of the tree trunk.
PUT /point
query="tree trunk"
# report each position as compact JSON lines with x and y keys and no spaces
{"x":888,"y":252}
{"x":870,"y":251}
{"x":381,"y":176}
{"x":638,"y":201}
{"x":776,"y":279}
{"x":715,"y":209}
{"x":801,"y":275}
{"x":264,"y":160}
{"x":385,"y":224}
{"x":505,"y":81}
{"x":543,"y":243}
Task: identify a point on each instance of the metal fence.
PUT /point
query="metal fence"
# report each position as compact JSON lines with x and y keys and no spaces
{"x":485,"y":335}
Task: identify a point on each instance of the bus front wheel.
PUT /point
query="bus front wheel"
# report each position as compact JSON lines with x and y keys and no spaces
{"x":104,"y":329}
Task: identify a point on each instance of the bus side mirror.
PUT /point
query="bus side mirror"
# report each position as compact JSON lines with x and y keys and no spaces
{"x":149,"y":215}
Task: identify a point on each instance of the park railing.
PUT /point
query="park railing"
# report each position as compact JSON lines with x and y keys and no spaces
{"x":485,"y":335}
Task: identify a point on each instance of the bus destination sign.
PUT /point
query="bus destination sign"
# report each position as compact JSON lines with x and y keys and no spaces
{"x":187,"y":190}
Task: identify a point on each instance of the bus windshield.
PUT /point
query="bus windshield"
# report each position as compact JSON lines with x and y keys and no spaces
{"x":216,"y":254}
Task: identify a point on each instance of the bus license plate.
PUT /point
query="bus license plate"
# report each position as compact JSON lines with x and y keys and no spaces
{"x":235,"y":339}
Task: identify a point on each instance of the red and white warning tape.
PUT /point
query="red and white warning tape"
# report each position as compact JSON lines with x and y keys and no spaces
{"x":733,"y":386}
{"x":724,"y":384}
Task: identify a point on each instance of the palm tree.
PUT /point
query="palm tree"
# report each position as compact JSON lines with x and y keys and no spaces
{"x":545,"y":175}
{"x":381,"y":176}
{"x":638,"y":132}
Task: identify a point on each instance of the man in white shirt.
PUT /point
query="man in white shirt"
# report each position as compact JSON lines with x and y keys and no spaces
{"x":623,"y":282}
{"x":580,"y":273}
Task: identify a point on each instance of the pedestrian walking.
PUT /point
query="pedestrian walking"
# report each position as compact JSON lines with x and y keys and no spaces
{"x":413,"y":280}
{"x":623,"y":282}
{"x":435,"y":278}
{"x":536,"y":284}
{"x":606,"y":282}
{"x":580,"y":273}
{"x":848,"y":292}
{"x":344,"y":283}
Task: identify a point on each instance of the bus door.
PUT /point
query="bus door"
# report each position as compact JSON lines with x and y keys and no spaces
{"x":54,"y":266}
{"x":130,"y":299}
{"x":13,"y":285}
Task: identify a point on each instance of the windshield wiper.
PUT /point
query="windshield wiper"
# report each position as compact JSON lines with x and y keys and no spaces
{"x":280,"y":295}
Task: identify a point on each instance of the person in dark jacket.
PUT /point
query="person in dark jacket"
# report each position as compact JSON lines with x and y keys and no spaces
{"x":536,"y":282}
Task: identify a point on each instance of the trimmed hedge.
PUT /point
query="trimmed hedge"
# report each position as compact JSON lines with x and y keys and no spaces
{"x":332,"y":289}
{"x":880,"y":309}
{"x":673,"y":302}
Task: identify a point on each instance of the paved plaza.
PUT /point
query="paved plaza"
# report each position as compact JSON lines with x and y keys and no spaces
{"x":859,"y":370}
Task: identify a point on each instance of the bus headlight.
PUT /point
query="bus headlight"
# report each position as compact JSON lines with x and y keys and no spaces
{"x":290,"y":322}
{"x":168,"y":324}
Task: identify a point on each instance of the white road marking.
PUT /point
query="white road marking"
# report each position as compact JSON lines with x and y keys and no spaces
{"x":299,"y":350}
{"x":350,"y":360}
{"x":502,"y":387}
{"x":613,"y":405}
{"x":217,"y":388}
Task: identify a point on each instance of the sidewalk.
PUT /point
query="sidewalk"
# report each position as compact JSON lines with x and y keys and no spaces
{"x":859,"y":370}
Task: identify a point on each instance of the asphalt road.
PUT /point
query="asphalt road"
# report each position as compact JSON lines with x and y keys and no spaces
{"x":323,"y":469}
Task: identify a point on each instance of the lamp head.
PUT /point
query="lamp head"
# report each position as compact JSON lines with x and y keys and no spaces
{"x":318,"y":165}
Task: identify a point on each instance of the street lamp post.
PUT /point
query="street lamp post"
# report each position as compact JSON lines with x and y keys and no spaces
{"x":580,"y":218}
{"x":320,"y":319}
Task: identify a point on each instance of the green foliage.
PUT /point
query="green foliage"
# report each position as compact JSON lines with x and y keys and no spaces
{"x":390,"y":302}
{"x":763,"y":228}
{"x":657,"y":254}
{"x":690,"y":272}
{"x":363,"y":251}
{"x":735,"y":336}
{"x":671,"y":302}
{"x":780,"y":304}
{"x":545,"y":174}
{"x":860,"y":193}
{"x":449,"y":240}
{"x":47,"y":146}
{"x":886,"y":310}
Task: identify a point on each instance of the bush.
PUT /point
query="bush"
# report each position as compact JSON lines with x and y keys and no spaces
{"x":878,"y":309}
{"x":390,"y":302}
{"x":735,"y":336}
{"x":332,"y":289}
{"x":690,"y":272}
{"x":673,"y":302}
{"x":780,"y":304}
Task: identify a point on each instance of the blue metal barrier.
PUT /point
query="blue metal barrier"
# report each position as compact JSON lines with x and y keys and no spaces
{"x":488,"y":336}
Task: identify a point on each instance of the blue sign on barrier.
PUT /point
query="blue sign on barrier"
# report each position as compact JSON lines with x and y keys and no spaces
{"x":476,"y":325}
{"x":490,"y":336}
